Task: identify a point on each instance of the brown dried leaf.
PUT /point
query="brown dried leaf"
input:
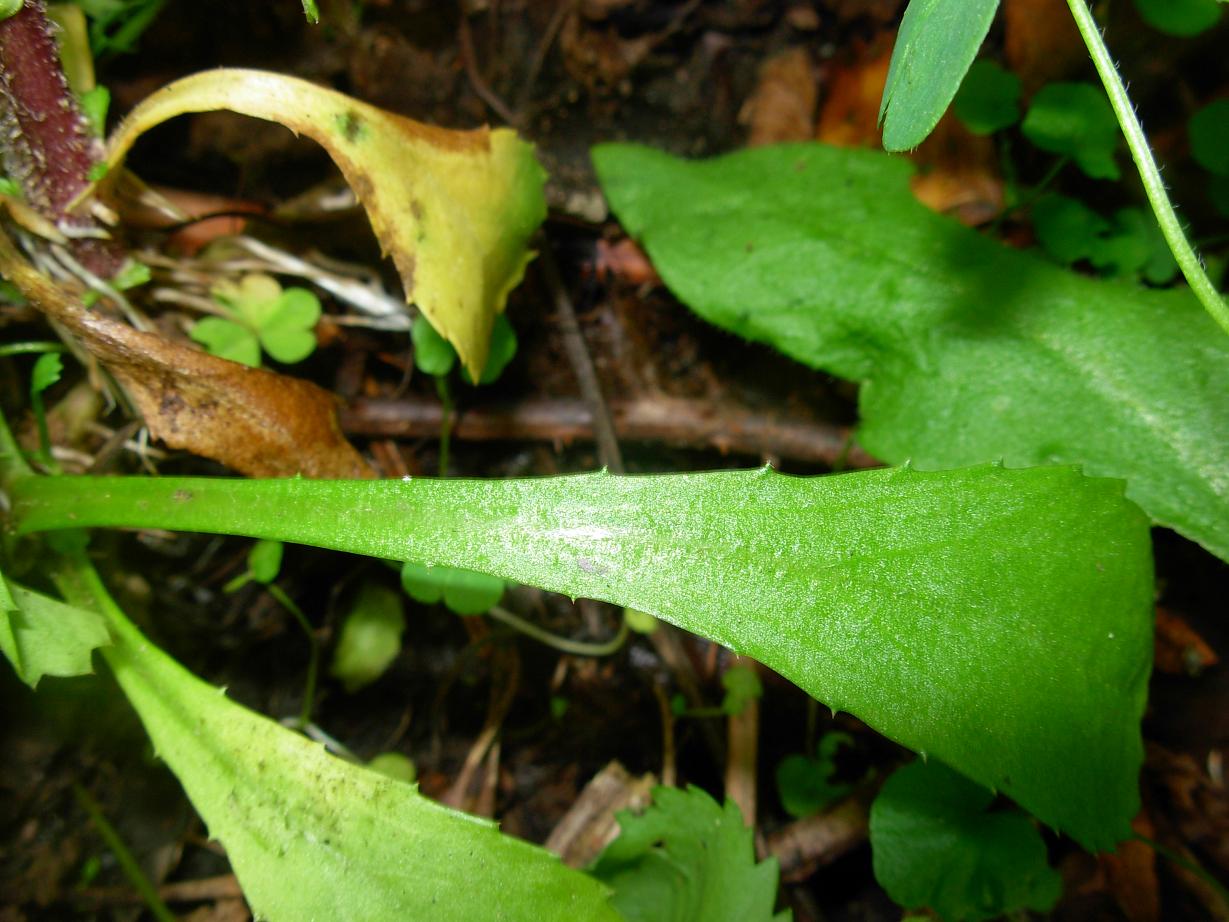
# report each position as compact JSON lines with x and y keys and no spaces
{"x":1179,"y":650}
{"x":782,"y":107}
{"x":1041,"y":43}
{"x":253,"y":420}
{"x":1130,"y":872}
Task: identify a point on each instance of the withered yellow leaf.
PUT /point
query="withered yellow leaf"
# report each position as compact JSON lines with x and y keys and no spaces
{"x":454,"y":209}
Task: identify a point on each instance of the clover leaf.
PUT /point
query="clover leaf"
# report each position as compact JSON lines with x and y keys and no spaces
{"x":989,"y":98}
{"x":1075,"y":119}
{"x":261,"y":316}
{"x":434,"y":355}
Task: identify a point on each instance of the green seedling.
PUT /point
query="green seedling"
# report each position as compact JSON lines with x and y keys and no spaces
{"x":260,"y":315}
{"x":989,"y":98}
{"x":370,"y":637}
{"x":1130,"y":244}
{"x":742,"y":686}
{"x":936,"y":845}
{"x":1074,"y":120}
{"x":804,"y":783}
{"x":47,"y":370}
{"x":434,"y":355}
{"x":464,"y":592}
{"x":1182,"y":18}
{"x":688,"y":858}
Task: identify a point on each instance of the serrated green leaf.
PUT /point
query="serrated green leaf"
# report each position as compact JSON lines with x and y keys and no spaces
{"x":998,"y":619}
{"x":989,"y":98}
{"x":1209,"y":133}
{"x":688,"y":859}
{"x":370,"y":637}
{"x":936,"y":846}
{"x":742,"y":686}
{"x":311,"y":836}
{"x":937,"y":41}
{"x":1182,"y":18}
{"x":433,"y":355}
{"x":463,"y":591}
{"x":46,"y":372}
{"x":1075,"y":120}
{"x":968,"y":350}
{"x":228,"y":340}
{"x":804,"y":783}
{"x":265,"y":560}
{"x":42,"y":636}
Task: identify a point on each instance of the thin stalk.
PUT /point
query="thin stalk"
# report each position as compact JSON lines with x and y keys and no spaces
{"x":1154,"y":186}
{"x":127,"y":863}
{"x":445,"y":394}
{"x":1189,"y":866}
{"x":33,"y":347}
{"x":313,"y":662}
{"x":563,"y":644}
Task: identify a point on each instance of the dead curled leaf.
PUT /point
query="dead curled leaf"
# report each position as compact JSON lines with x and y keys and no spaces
{"x":255,"y":421}
{"x":454,"y":209}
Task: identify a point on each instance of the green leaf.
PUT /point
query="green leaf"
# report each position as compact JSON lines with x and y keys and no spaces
{"x":94,"y":106}
{"x":968,"y":350}
{"x":687,"y":859}
{"x":311,"y":11}
{"x":131,"y":275}
{"x":370,"y":637}
{"x":463,"y":591}
{"x":10,"y":8}
{"x":989,"y":98}
{"x":1131,"y":244}
{"x":46,"y":372}
{"x":937,"y":41}
{"x":394,"y":765}
{"x":742,"y":686}
{"x":454,"y":209}
{"x":433,"y":355}
{"x":313,"y":837}
{"x":265,"y":561}
{"x":1182,"y":18}
{"x":804,"y":783}
{"x":1075,"y":120}
{"x":503,"y":349}
{"x":936,"y":846}
{"x":998,"y":619}
{"x":287,"y":333}
{"x":41,"y":636}
{"x":1067,"y":229}
{"x":1209,"y":132}
{"x":228,"y":340}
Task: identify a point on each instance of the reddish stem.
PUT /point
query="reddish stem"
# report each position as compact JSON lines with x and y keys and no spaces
{"x":46,"y":145}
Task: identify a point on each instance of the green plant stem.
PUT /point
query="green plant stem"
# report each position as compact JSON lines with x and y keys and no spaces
{"x":127,"y":863}
{"x":1154,"y":186}
{"x":441,"y":388}
{"x":563,"y":644}
{"x":32,"y":347}
{"x":313,"y":661}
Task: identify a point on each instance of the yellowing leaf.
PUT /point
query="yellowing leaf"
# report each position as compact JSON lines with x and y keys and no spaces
{"x":454,"y":209}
